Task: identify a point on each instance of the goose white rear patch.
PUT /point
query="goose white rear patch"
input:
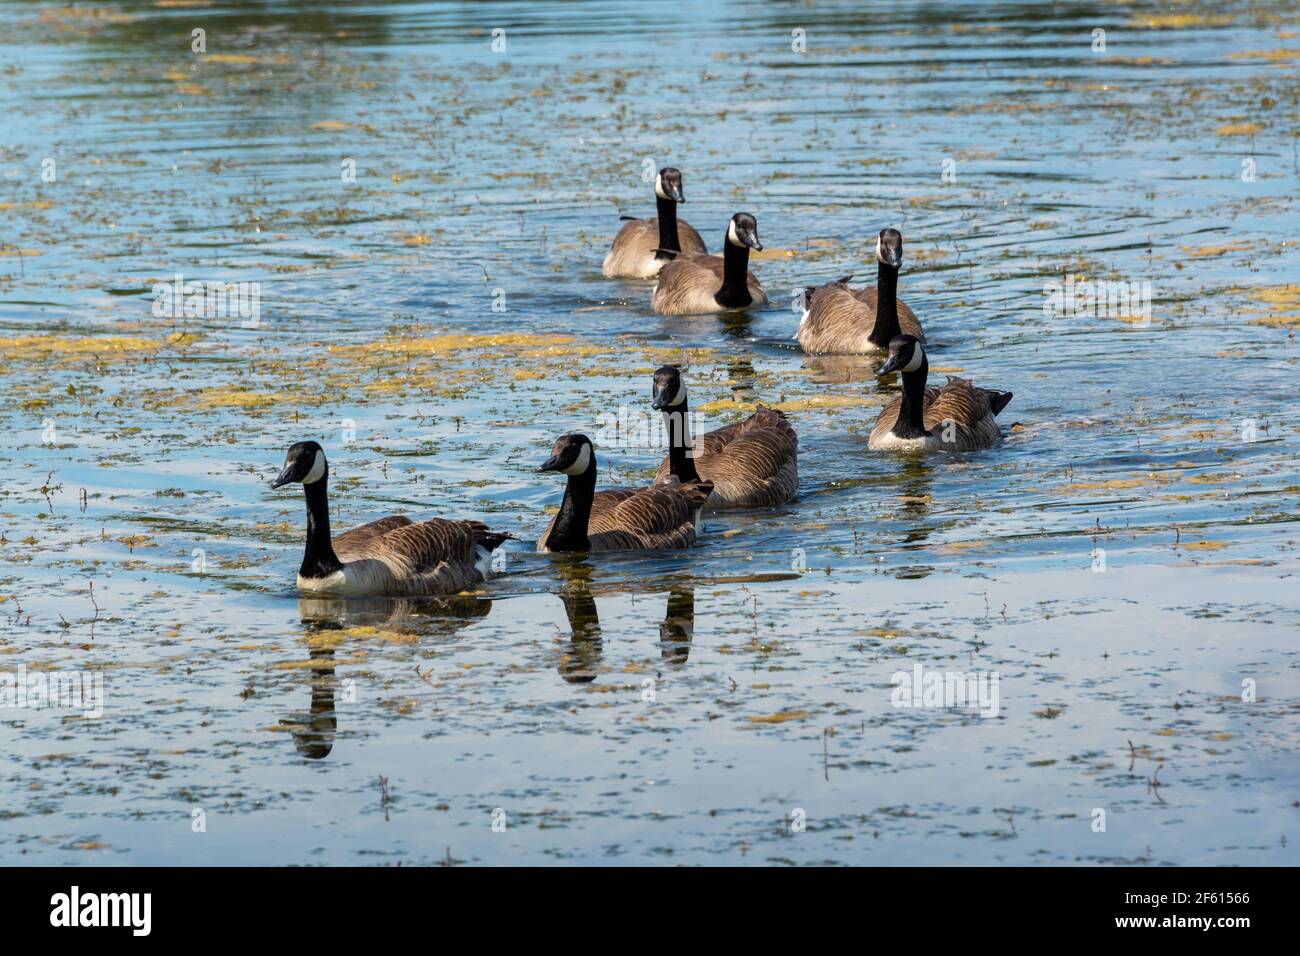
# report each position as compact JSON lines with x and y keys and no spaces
{"x":891,"y":442}
{"x":483,"y":560}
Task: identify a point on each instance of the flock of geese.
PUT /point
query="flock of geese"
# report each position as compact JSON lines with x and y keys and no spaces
{"x":749,"y":464}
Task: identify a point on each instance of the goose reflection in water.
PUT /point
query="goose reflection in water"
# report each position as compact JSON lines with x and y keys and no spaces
{"x":581,"y":662}
{"x":314,"y":731}
{"x":842,"y":369}
{"x":678,"y":627}
{"x":915,"y":498}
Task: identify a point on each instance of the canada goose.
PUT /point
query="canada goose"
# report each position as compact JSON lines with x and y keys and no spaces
{"x":694,"y":285}
{"x":391,"y":556}
{"x":957,"y":417}
{"x":642,"y":246}
{"x":838,"y":319}
{"x":622,"y":519}
{"x":753,"y":463}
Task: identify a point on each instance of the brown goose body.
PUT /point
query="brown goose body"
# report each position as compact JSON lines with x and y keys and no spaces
{"x":752,"y":464}
{"x":957,"y":417}
{"x":635,"y":252}
{"x":619,"y":519}
{"x":840,"y":320}
{"x":689,"y":286}
{"x":645,"y":519}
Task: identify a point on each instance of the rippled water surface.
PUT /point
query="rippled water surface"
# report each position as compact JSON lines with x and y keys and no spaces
{"x":1126,"y":560}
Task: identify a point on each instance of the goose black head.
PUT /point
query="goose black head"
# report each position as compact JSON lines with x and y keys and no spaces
{"x":668,"y":184}
{"x":572,"y":455}
{"x":303,"y":462}
{"x":905,"y":355}
{"x":889,"y":248}
{"x":743,"y":231}
{"x":668,"y":388}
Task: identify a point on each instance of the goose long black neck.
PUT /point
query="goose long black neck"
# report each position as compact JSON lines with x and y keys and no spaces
{"x":911,"y":416}
{"x":569,"y":533}
{"x":886,"y":306}
{"x":669,"y":242}
{"x":735,"y":275}
{"x":319,"y":559}
{"x":681,"y":458}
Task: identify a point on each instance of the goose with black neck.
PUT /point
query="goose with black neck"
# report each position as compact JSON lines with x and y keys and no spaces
{"x":752,"y":463}
{"x":392,"y":556}
{"x":643,"y":246}
{"x":957,"y":417}
{"x":617,"y":519}
{"x":700,"y":284}
{"x":840,"y":320}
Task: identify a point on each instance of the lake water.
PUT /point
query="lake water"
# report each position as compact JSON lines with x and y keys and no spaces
{"x":1125,"y":562}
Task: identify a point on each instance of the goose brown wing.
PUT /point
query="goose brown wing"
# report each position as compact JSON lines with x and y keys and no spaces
{"x":958,"y":402}
{"x":834,"y":308}
{"x":651,"y":518}
{"x":424,"y":545}
{"x":358,"y":538}
{"x":610,"y":498}
{"x":648,"y":511}
{"x":837,"y":321}
{"x":757,"y":449}
{"x":771,"y":422}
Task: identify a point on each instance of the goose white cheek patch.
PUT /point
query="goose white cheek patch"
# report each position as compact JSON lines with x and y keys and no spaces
{"x":731,"y":235}
{"x":582,"y":464}
{"x":317,"y":471}
{"x":918,"y":356}
{"x":659,"y":187}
